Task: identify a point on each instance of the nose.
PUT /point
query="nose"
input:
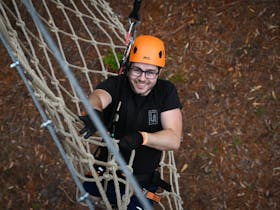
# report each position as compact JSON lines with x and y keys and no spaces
{"x":142,"y":77}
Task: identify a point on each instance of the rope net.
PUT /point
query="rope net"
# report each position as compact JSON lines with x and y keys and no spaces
{"x":91,"y":40}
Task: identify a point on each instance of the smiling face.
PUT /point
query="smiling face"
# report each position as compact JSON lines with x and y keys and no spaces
{"x":142,"y":77}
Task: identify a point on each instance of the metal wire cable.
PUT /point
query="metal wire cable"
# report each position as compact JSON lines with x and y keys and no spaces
{"x":47,"y":123}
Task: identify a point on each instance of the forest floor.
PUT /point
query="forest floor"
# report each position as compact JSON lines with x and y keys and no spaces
{"x":224,"y":57}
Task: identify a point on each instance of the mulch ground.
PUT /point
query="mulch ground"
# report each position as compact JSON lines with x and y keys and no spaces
{"x":224,"y":57}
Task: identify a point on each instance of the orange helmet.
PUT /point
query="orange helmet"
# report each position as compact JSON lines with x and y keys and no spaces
{"x":149,"y":50}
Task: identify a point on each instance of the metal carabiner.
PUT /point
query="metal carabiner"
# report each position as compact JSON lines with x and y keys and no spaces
{"x":132,"y":28}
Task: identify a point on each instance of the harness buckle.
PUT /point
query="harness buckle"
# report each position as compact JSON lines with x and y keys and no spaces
{"x":152,"y":196}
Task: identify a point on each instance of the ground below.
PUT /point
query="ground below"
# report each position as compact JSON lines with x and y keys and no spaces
{"x":224,"y":57}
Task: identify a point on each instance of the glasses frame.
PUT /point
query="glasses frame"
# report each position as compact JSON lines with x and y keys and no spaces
{"x":136,"y":71}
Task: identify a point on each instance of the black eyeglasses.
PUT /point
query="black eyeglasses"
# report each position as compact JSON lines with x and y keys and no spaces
{"x":149,"y":74}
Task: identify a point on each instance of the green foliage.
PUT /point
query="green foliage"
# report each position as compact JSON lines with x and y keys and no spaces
{"x":200,"y":20}
{"x":36,"y":206}
{"x":111,"y":62}
{"x":251,"y":187}
{"x":170,"y":58}
{"x":237,"y":141}
{"x":177,"y":78}
{"x":259,"y":112}
{"x":215,"y":150}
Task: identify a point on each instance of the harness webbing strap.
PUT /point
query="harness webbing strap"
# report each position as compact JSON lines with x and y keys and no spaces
{"x":154,"y":178}
{"x":136,"y":7}
{"x":160,"y":182}
{"x":152,"y":196}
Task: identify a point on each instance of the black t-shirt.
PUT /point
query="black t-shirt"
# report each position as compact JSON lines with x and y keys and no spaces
{"x":139,"y":113}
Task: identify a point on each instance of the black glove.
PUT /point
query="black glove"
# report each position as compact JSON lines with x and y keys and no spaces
{"x":89,"y":128}
{"x":131,"y":141}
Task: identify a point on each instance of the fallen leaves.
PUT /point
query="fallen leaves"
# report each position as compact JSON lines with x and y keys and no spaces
{"x":184,"y":168}
{"x":230,"y":153}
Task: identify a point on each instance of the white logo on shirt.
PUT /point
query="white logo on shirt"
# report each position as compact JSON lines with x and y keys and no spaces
{"x":153,"y":117}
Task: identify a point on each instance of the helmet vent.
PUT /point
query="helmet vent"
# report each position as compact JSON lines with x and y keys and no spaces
{"x":135,"y":50}
{"x":160,"y":54}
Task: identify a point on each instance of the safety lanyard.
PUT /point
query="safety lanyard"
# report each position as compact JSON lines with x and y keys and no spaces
{"x":134,"y":21}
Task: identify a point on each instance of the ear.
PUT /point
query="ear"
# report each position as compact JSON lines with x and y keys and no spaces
{"x":159,"y":70}
{"x":127,"y":67}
